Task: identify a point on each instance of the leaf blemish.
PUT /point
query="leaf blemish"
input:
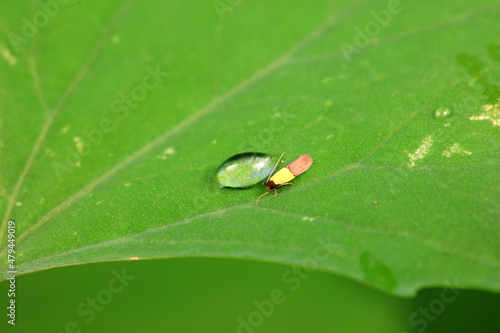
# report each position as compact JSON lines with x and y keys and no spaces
{"x":8,"y":56}
{"x":115,"y":39}
{"x":491,"y":112}
{"x":166,"y":152}
{"x":455,"y":149}
{"x":80,"y":145}
{"x":421,"y":152}
{"x":65,"y":129}
{"x":49,"y":152}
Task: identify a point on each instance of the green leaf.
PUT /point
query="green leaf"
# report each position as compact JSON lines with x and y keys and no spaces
{"x":116,"y":116}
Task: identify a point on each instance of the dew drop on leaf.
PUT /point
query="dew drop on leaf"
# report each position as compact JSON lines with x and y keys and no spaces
{"x":244,"y":170}
{"x":442,"y":113}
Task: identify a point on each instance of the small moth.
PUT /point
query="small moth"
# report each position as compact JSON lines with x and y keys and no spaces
{"x":284,"y":175}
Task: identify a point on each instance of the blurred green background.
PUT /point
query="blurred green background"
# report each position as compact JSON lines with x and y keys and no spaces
{"x":208,"y":295}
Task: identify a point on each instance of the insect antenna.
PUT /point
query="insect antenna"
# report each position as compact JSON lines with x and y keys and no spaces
{"x":273,"y":169}
{"x":257,"y":202}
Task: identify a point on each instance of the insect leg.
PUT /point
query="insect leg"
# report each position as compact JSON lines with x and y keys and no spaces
{"x":284,"y":184}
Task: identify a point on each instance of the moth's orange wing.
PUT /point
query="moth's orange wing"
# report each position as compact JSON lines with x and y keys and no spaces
{"x":300,"y":165}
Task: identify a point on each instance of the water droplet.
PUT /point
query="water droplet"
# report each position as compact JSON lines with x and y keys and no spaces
{"x":442,"y":113}
{"x":244,"y":170}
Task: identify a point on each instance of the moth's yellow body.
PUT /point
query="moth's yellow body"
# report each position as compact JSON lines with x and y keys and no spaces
{"x":282,"y":176}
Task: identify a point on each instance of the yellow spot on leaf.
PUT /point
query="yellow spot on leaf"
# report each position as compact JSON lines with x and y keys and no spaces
{"x":421,"y":152}
{"x":8,"y":56}
{"x":455,"y":149}
{"x":65,"y":129}
{"x":168,"y":151}
{"x":491,"y":113}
